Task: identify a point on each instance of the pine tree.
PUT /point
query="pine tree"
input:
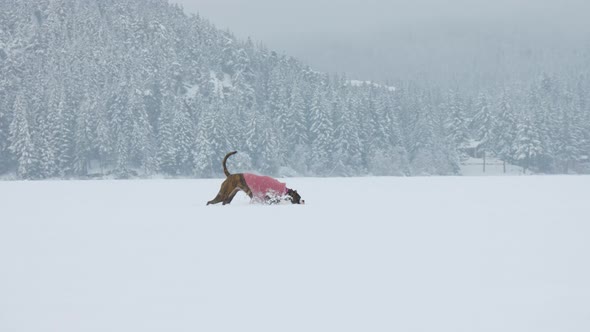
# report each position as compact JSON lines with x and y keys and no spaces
{"x":228,"y":64}
{"x":431,"y":154}
{"x":505,"y":131}
{"x":63,"y":136}
{"x":268,"y":140}
{"x":570,"y":139}
{"x":5,"y":156}
{"x":379,"y":122}
{"x":484,"y":123}
{"x":457,"y":123}
{"x":296,"y":143}
{"x":347,"y":152}
{"x":527,"y":144}
{"x":545,"y":119}
{"x":104,"y":136}
{"x":220,"y":136}
{"x":84,"y":136}
{"x":142,"y":141}
{"x":21,"y":143}
{"x":184,"y":138}
{"x":393,"y":160}
{"x":46,"y":140}
{"x":244,"y":79}
{"x":167,"y":143}
{"x":297,"y":127}
{"x":252,"y":130}
{"x":121,"y":123}
{"x":278,"y":112}
{"x":203,"y":153}
{"x":321,"y":133}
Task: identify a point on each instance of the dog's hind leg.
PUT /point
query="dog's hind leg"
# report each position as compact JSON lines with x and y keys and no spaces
{"x":229,"y":189}
{"x":244,"y":186}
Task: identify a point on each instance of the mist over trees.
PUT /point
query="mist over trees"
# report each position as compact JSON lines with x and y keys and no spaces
{"x":133,"y":88}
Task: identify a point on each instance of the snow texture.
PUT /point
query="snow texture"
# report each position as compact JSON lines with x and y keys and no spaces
{"x":364,"y":254}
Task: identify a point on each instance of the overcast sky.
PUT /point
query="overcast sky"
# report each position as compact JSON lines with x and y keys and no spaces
{"x":359,"y":36}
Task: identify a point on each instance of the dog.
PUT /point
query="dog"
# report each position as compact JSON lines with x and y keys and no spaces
{"x":257,"y":187}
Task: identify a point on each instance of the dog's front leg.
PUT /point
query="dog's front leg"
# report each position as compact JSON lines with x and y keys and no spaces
{"x":222,"y":194}
{"x":231,"y":196}
{"x":217,"y":199}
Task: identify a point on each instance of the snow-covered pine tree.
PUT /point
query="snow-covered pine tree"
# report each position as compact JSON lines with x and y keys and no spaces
{"x":228,"y":62}
{"x":64,"y":136}
{"x":569,"y":138}
{"x":203,"y":153}
{"x":582,"y":105}
{"x":384,"y":148}
{"x":5,"y":156}
{"x":121,"y":122}
{"x":184,"y":138}
{"x":84,"y":136}
{"x":220,"y":135}
{"x":21,"y":143}
{"x":431,"y":153}
{"x":347,"y":148}
{"x":278,"y":113}
{"x":457,"y":124}
{"x":297,"y":127}
{"x":243,"y":98}
{"x":142,"y":142}
{"x":321,"y":132}
{"x":527,"y":144}
{"x":505,"y":131}
{"x":269,"y":142}
{"x":379,"y":122}
{"x":424,"y":138}
{"x":104,"y":135}
{"x":397,"y":156}
{"x":45,"y":137}
{"x":167,"y":140}
{"x":484,"y":123}
{"x":408,"y":116}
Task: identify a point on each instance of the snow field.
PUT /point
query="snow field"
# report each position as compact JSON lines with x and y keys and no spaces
{"x":364,"y":254}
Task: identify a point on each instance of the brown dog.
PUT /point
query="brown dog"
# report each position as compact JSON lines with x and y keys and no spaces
{"x":257,"y":187}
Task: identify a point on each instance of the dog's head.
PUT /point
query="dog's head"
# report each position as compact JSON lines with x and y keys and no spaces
{"x":295,"y":197}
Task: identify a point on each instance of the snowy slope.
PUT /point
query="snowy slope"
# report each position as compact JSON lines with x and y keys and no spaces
{"x":365,"y":254}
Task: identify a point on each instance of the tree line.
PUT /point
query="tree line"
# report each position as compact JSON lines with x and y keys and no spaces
{"x":136,"y":88}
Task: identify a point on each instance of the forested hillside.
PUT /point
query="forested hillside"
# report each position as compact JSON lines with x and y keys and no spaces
{"x":133,"y":88}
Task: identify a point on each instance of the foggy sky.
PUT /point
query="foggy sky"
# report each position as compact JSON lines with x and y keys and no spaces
{"x":401,"y":39}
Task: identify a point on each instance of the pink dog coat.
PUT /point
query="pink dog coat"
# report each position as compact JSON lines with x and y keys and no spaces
{"x":262,"y":185}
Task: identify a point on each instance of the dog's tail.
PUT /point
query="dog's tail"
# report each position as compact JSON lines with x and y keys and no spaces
{"x":224,"y":160}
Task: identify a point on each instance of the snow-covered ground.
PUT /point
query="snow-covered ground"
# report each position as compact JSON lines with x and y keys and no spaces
{"x":364,"y":254}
